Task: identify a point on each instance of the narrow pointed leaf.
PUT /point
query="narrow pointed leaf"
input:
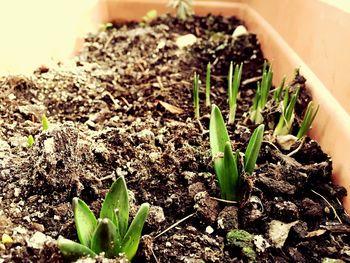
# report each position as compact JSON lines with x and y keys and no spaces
{"x":72,"y":250}
{"x":207,"y":85}
{"x":309,"y":117}
{"x":196,"y":95}
{"x":85,"y":221}
{"x":230,"y":81}
{"x":278,"y":91}
{"x":105,"y":239}
{"x":44,"y":123}
{"x":253,"y":149}
{"x":218,"y":137}
{"x":231,"y":179}
{"x":234,"y":92}
{"x":131,"y":240}
{"x":117,"y":199}
{"x":217,"y":131}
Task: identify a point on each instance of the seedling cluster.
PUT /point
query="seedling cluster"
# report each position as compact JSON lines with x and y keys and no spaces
{"x":110,"y":234}
{"x":44,"y":128}
{"x":281,"y":96}
{"x":228,"y":166}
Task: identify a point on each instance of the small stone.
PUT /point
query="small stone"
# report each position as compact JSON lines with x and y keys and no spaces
{"x":261,"y":243}
{"x":167,"y":244}
{"x":11,"y":96}
{"x":154,"y":156}
{"x":286,"y":141}
{"x":278,"y":232}
{"x":186,"y":40}
{"x":38,"y":227}
{"x":239,"y":31}
{"x":19,"y":230}
{"x":17,"y":191}
{"x":209,"y":230}
{"x":37,"y":240}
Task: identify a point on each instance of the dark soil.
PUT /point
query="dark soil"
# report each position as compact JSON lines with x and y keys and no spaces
{"x":108,"y":118}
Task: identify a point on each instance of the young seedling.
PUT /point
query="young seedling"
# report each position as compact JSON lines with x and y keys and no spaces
{"x":226,"y":162}
{"x":287,"y":116}
{"x":110,"y":233}
{"x":234,"y":80}
{"x":196,"y":95}
{"x":44,"y":123}
{"x":30,"y":140}
{"x":151,"y":15}
{"x":278,"y":92}
{"x":309,"y":117}
{"x":261,"y":96}
{"x":184,"y":8}
{"x":207,"y":86}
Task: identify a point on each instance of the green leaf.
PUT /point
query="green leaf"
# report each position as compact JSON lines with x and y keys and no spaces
{"x":231,"y":179}
{"x":106,"y":238}
{"x":85,"y":221}
{"x":131,"y":240}
{"x":196,"y":95}
{"x":309,"y":117}
{"x":72,"y":250}
{"x":44,"y":123}
{"x":217,"y":131}
{"x":233,"y":91}
{"x":218,"y":137}
{"x":30,"y":140}
{"x":207,"y":86}
{"x":278,"y":91}
{"x":116,"y":205}
{"x":151,"y":14}
{"x":253,"y":149}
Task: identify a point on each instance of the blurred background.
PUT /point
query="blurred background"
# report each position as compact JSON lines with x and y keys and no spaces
{"x":36,"y":32}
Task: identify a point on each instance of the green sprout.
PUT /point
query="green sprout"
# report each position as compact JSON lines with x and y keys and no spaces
{"x":261,"y":96}
{"x":184,"y":8}
{"x":110,"y":233}
{"x":207,"y":86}
{"x":285,"y":122}
{"x":196,"y":95}
{"x":30,"y":140}
{"x":226,"y":163}
{"x":105,"y":27}
{"x":278,"y":92}
{"x":234,"y":80}
{"x":309,"y":117}
{"x":44,"y":123}
{"x":151,"y":15}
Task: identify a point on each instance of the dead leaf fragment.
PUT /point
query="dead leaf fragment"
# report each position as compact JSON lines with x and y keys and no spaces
{"x":316,"y":233}
{"x":171,"y":108}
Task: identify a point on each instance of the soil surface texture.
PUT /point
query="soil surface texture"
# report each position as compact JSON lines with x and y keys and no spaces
{"x":124,"y":107}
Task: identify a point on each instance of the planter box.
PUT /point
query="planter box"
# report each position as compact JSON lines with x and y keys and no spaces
{"x":332,"y":125}
{"x":294,"y":34}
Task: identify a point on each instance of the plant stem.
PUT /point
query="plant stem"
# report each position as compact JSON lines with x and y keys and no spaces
{"x":196,"y":95}
{"x":207,"y":86}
